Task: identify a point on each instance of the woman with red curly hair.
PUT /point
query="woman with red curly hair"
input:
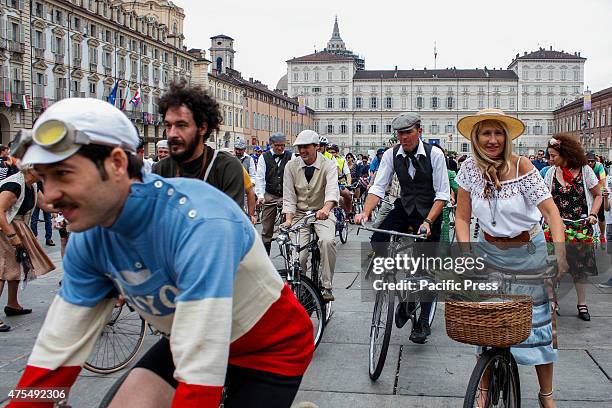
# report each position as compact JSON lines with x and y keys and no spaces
{"x":575,"y":191}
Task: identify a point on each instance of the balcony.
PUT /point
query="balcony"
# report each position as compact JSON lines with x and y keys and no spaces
{"x":121,"y":74}
{"x":15,"y":46}
{"x":145,"y":80}
{"x":59,"y":58}
{"x":76,"y":62}
{"x":93,"y":66}
{"x":39,"y":53}
{"x":60,"y":93}
{"x":108,"y":71}
{"x":155,"y":81}
{"x":134,"y":76}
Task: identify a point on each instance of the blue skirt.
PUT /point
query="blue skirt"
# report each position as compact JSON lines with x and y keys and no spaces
{"x":538,"y":348}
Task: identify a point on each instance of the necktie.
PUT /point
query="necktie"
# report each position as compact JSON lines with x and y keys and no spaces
{"x":309,"y":172}
{"x":278,"y":156}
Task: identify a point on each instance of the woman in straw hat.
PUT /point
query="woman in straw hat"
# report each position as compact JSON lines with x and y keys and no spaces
{"x":508,"y":197}
{"x":18,"y":196}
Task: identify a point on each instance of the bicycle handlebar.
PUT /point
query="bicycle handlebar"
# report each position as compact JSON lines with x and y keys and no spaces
{"x":390,"y":232}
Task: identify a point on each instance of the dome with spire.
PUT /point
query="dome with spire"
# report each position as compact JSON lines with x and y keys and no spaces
{"x":337,"y":47}
{"x":336,"y":43}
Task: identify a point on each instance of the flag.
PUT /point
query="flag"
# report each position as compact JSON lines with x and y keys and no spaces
{"x":587,"y":101}
{"x":26,"y":102}
{"x":113,"y":95}
{"x":44,"y":104}
{"x":127,"y":96}
{"x":301,"y":105}
{"x":136,"y":99}
{"x":8,"y":99}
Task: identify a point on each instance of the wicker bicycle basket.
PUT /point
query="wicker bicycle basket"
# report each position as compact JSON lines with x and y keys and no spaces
{"x":502,"y":322}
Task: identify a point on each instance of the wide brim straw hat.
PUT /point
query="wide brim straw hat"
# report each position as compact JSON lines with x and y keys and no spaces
{"x":515,"y":126}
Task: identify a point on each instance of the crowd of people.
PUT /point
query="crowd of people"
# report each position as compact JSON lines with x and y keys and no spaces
{"x":207,"y":281}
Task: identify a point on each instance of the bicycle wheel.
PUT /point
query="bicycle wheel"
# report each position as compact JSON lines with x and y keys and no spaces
{"x":380,"y":330}
{"x":119,"y":342}
{"x":494,"y":382}
{"x":310,"y":298}
{"x":344,"y":231}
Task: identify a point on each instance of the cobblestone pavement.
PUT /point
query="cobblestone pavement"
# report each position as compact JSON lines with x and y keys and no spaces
{"x":430,"y":375}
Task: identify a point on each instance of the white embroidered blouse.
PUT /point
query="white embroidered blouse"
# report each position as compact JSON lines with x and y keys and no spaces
{"x":516,"y":209}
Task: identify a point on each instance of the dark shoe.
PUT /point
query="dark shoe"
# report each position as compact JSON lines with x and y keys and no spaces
{"x":268,"y":246}
{"x":420,"y":332}
{"x":11,"y":311}
{"x":50,"y":242}
{"x":401,"y":315}
{"x":583,"y":313}
{"x":328,"y":296}
{"x":4,"y":328}
{"x":605,"y":285}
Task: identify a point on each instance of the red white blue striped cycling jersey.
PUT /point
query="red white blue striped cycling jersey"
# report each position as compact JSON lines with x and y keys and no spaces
{"x":188,"y":260}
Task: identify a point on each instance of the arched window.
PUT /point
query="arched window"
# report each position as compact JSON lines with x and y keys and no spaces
{"x":219,"y":63}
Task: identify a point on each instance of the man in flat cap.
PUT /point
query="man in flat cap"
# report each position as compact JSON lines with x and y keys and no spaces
{"x":424,"y":190}
{"x":247,"y":161}
{"x":269,"y":184}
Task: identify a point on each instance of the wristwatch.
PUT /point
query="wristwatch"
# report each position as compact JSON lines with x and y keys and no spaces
{"x":427,"y":220}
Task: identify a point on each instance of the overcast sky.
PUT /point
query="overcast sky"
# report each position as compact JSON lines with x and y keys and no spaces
{"x":468,"y":33}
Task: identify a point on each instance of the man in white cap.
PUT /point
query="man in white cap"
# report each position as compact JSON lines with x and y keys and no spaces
{"x":206,"y":282}
{"x":162,"y":149}
{"x":310,"y":183}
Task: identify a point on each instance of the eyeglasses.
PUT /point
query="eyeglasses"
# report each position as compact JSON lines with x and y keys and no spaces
{"x":55,"y":136}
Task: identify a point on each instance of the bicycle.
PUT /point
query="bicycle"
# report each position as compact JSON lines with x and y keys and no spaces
{"x":306,"y":290}
{"x":384,"y":304}
{"x":496,"y":371}
{"x":120,"y":341}
{"x":278,"y":220}
{"x":342,"y":224}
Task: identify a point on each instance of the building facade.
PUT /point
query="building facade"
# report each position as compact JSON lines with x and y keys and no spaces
{"x":355,"y":107}
{"x":593,"y":127}
{"x":251,"y":111}
{"x":81,"y":48}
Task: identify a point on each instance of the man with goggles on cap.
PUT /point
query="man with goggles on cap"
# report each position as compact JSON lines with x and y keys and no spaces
{"x":344,"y":178}
{"x":424,"y":191}
{"x":205,"y":283}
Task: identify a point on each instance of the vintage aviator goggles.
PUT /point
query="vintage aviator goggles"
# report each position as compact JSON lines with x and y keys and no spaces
{"x":56,"y":136}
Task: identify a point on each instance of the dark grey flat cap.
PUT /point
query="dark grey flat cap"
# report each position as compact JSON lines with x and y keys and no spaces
{"x":406,"y":121}
{"x":278,"y":138}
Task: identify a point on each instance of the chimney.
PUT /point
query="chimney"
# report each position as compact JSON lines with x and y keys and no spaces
{"x":551,"y":47}
{"x":578,"y":53}
{"x":396,"y":67}
{"x":525,"y":53}
{"x":251,"y":80}
{"x":517,"y":55}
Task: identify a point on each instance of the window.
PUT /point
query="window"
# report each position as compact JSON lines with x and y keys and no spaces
{"x":388,"y":102}
{"x":330,"y":103}
{"x":39,"y":10}
{"x":330,"y":75}
{"x":480,"y":101}
{"x":305,"y":76}
{"x":316,"y":76}
{"x":388,"y":128}
{"x":343,"y":103}
{"x":316,"y":90}
{"x":435,"y":102}
{"x":358,"y":102}
{"x":450,"y":127}
{"x":343,"y":127}
{"x":525,"y":101}
{"x":316,"y":103}
{"x":330,"y":127}
{"x":373,"y":128}
{"x":465,"y":102}
{"x":563,"y":74}
{"x":576,"y":90}
{"x":92,"y":88}
{"x":576,"y":75}
{"x":343,"y":75}
{"x":373,"y":102}
{"x":537,"y":129}
{"x":525,"y":73}
{"x":551,"y":102}
{"x":404,"y":103}
{"x":538,"y":101}
{"x":295,"y":77}
{"x":419,"y":102}
{"x":58,"y":17}
{"x":511,"y":103}
{"x":465,"y":148}
{"x":38,"y":39}
{"x":434,"y":127}
{"x":449,"y":102}
{"x":496,"y":103}
{"x":550,"y":126}
{"x":538,"y":75}
{"x":550,"y":75}
{"x":358,"y":127}
{"x":93,"y":55}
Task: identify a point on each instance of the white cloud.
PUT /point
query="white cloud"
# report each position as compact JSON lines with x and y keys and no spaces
{"x":468,"y":34}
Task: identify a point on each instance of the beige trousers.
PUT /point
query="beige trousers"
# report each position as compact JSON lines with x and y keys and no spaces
{"x":326,"y":231}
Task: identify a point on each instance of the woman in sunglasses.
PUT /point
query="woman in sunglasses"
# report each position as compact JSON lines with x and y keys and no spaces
{"x":575,"y":191}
